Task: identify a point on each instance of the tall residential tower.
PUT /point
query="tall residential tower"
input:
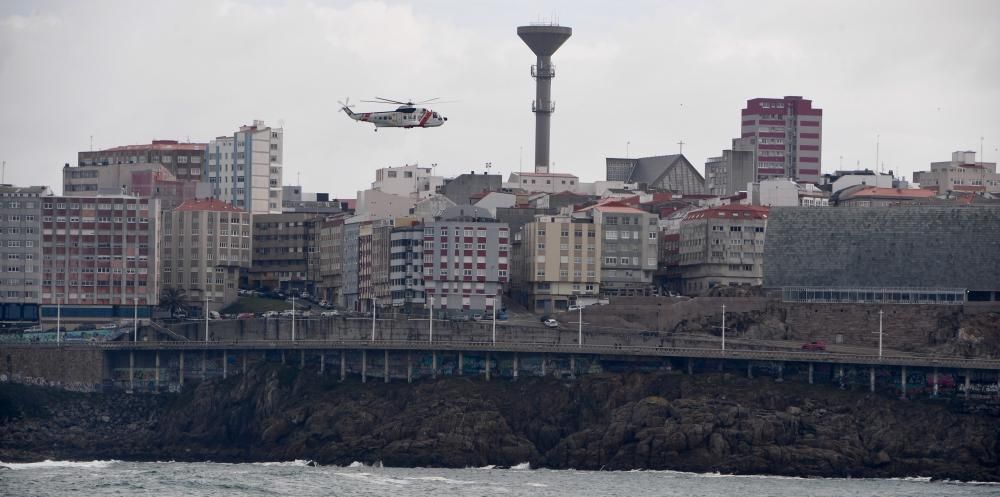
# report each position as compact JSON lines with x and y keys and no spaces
{"x":786,"y":135}
{"x":245,"y":169}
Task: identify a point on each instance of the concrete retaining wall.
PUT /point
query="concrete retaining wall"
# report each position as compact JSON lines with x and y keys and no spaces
{"x":69,"y":369}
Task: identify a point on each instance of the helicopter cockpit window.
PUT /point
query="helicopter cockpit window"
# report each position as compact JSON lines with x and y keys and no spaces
{"x":407,"y":110}
{"x":435,"y":115}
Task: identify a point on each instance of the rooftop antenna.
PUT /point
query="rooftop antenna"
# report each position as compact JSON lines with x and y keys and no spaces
{"x":877,"y":140}
{"x":298,"y":178}
{"x":3,"y":174}
{"x":91,"y":143}
{"x":681,"y":144}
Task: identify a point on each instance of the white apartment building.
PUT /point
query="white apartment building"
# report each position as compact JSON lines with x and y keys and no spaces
{"x":961,"y":173}
{"x":407,"y":181}
{"x":245,"y":169}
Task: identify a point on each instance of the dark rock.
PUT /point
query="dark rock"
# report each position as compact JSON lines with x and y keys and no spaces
{"x":612,"y":421}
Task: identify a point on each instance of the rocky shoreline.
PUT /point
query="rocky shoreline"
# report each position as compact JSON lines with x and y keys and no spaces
{"x":703,"y":423}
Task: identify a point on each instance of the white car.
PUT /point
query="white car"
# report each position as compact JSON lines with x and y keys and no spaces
{"x":329,"y":314}
{"x":270,"y":314}
{"x":575,"y":307}
{"x":551,"y":323}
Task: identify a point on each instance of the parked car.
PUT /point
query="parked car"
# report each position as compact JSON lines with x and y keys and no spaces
{"x":270,"y":314}
{"x":575,"y":307}
{"x":818,"y":345}
{"x":544,"y":318}
{"x":245,"y":315}
{"x":460,"y":317}
{"x":307,"y":314}
{"x":551,"y":323}
{"x":180,"y":315}
{"x":323,"y":303}
{"x":214,"y":315}
{"x":304,"y":295}
{"x":478,"y":316}
{"x":329,"y":314}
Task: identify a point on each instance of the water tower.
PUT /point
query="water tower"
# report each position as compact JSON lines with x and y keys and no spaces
{"x":544,"y":40}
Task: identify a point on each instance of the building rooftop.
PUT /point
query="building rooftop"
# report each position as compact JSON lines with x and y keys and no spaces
{"x":160,"y":145}
{"x":557,"y":175}
{"x":730,"y":211}
{"x":876,"y":192}
{"x":207,"y":204}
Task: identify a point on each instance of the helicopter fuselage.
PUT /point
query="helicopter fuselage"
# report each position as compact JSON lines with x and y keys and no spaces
{"x":402,"y":117}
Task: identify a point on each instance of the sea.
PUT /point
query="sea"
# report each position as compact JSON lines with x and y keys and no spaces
{"x":300,"y":478}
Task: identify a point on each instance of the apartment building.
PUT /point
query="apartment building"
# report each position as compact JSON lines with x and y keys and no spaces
{"x":373,"y":264}
{"x":329,"y":259}
{"x":961,"y":173}
{"x":21,"y":251}
{"x":184,"y":160}
{"x":245,"y":169}
{"x":99,"y":257}
{"x":557,"y":261}
{"x":630,"y":245}
{"x":408,"y":181}
{"x":786,"y":135}
{"x":349,"y":297}
{"x":282,"y":244}
{"x":406,"y":271}
{"x":466,"y":260}
{"x":205,"y":245}
{"x":722,"y":246}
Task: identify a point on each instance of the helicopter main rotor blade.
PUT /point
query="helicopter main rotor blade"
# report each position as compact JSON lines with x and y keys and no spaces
{"x":391,"y":101}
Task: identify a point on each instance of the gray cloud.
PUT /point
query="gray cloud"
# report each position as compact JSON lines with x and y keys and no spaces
{"x":920,"y":74}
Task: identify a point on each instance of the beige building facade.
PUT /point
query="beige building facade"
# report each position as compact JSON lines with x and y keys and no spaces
{"x":205,"y":244}
{"x":558,"y":261}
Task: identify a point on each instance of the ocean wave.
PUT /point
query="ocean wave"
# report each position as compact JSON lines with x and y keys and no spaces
{"x":47,"y":464}
{"x":524,"y":465}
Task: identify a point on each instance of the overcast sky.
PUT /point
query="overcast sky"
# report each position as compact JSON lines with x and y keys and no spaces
{"x":925,"y":76}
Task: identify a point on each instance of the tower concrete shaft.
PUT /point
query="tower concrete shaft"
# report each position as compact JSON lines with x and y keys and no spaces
{"x":543,"y":40}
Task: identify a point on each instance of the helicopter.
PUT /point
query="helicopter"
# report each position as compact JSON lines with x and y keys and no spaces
{"x":407,"y":115}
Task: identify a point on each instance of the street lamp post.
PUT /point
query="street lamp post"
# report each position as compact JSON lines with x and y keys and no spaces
{"x":206,"y":317}
{"x":293,"y":317}
{"x":430,"y":337}
{"x":135,"y":319}
{"x":58,"y":320}
{"x":579,"y":322}
{"x":723,"y":327}
{"x":373,"y":319}
{"x":880,"y":333}
{"x":495,"y":299}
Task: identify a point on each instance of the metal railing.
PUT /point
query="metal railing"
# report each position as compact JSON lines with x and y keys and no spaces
{"x":555,"y":348}
{"x":884,"y":295}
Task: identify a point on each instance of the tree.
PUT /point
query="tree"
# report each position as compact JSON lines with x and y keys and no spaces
{"x":173,"y":299}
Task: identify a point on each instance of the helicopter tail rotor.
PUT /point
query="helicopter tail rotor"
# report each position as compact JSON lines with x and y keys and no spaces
{"x":345,"y":106}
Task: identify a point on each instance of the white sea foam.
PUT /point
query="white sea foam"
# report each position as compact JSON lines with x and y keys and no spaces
{"x":47,"y":464}
{"x":373,"y":478}
{"x":536,"y":484}
{"x":297,"y":462}
{"x":439,"y":479}
{"x":356,"y":464}
{"x":524,"y":465}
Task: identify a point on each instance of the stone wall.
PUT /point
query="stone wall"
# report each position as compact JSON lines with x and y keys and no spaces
{"x":957,"y":247}
{"x":69,"y":369}
{"x":905,"y":327}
